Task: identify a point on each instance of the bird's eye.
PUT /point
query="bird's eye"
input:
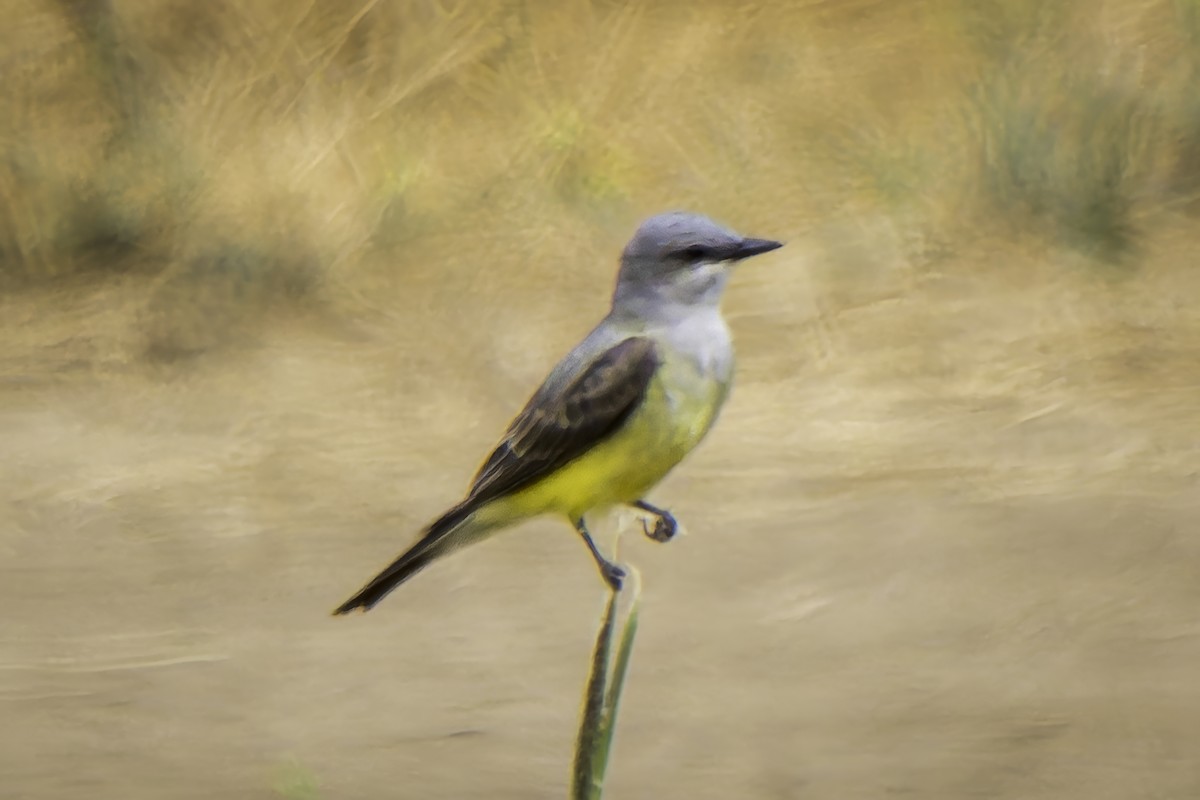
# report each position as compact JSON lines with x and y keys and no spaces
{"x":693,"y":253}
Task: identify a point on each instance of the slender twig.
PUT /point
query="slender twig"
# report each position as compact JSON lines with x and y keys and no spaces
{"x":602,"y":697}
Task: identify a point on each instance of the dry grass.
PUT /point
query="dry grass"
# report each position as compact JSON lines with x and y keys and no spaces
{"x":272,"y":275}
{"x":144,"y":132}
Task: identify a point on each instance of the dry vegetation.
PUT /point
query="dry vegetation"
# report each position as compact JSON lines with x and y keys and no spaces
{"x":273,"y":273}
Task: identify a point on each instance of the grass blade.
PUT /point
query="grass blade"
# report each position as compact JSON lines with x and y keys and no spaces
{"x":612,"y":699}
{"x":601,"y":699}
{"x":584,"y":784}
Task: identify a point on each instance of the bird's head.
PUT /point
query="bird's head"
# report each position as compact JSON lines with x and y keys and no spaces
{"x":680,"y":259}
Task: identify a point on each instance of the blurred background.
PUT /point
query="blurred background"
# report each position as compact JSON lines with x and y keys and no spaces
{"x":274,"y":276}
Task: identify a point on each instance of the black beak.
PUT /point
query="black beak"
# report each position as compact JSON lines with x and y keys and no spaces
{"x":753,"y":247}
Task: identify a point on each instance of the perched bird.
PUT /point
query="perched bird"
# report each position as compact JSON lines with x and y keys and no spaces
{"x":618,"y":412}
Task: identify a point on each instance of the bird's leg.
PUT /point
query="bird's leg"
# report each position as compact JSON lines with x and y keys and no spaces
{"x":613,"y":575}
{"x":665,"y":526}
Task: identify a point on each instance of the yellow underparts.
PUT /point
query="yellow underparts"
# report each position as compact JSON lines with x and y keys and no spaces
{"x":621,"y":469}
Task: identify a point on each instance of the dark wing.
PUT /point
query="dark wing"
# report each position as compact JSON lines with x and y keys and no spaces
{"x":556,"y":428}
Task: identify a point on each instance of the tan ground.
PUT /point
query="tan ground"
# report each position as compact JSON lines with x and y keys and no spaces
{"x":943,"y":543}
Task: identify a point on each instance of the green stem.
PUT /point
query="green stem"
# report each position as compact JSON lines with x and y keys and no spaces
{"x":602,"y":699}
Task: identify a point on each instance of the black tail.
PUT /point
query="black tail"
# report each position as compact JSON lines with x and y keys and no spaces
{"x":412,"y":561}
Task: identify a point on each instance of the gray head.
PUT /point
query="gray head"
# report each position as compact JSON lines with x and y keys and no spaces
{"x":680,"y":259}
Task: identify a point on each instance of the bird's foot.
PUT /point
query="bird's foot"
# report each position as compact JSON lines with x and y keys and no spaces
{"x":613,"y":575}
{"x":665,"y":527}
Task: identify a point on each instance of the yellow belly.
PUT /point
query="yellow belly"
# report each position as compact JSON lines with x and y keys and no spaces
{"x":664,"y":429}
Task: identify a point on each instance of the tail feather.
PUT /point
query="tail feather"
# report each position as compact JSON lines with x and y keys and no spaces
{"x":412,"y":561}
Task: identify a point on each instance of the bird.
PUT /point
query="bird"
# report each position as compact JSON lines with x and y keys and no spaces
{"x":617,"y":413}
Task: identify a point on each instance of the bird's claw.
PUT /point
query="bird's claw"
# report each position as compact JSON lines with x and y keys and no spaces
{"x":613,"y":575}
{"x":664,"y":530}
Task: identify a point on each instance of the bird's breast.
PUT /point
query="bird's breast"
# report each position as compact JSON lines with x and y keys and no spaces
{"x":679,"y":408}
{"x":692,"y":394}
{"x":702,"y":339}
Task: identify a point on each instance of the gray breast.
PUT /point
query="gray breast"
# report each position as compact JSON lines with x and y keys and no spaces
{"x":702,"y":338}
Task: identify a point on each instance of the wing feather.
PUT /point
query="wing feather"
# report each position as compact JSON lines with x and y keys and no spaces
{"x":555,"y":428}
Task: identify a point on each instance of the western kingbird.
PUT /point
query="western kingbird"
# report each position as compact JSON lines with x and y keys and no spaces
{"x":618,"y":412}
